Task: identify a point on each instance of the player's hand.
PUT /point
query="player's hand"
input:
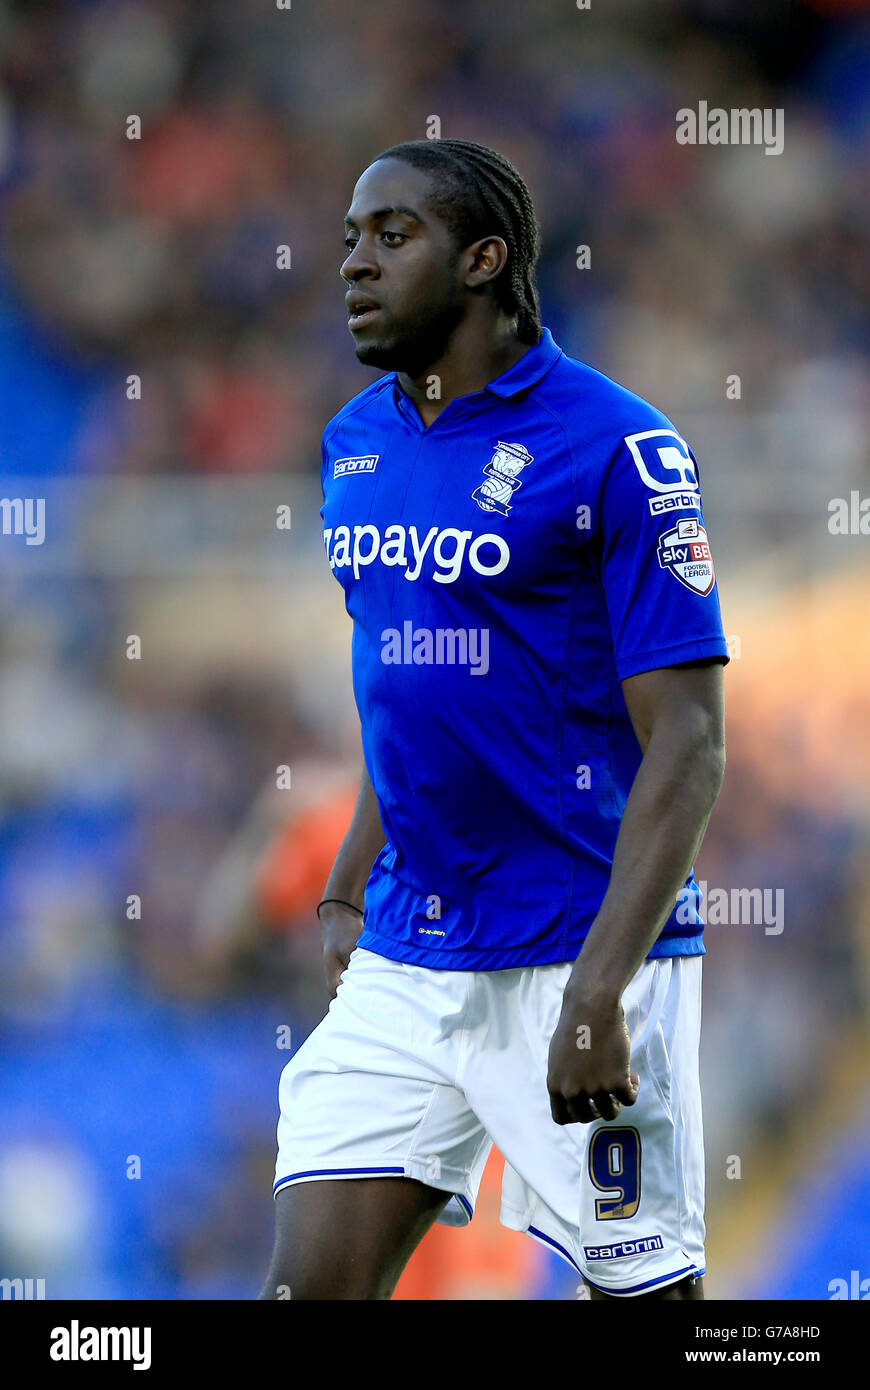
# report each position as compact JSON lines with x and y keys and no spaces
{"x":340,"y":927}
{"x":588,"y":1077}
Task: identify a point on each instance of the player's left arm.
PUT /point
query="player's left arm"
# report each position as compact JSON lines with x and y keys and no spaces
{"x":677,"y":714}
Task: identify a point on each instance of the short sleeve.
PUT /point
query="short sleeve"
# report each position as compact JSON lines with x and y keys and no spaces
{"x":656,"y":563}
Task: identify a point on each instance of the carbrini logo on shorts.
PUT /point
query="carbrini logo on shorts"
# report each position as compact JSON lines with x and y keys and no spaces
{"x":642,"y":1246}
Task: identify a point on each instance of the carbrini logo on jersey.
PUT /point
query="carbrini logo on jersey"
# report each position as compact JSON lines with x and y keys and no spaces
{"x":445,"y":549}
{"x":362,"y":463}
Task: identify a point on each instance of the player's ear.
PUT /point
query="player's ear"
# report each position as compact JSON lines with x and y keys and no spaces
{"x":486,"y":259}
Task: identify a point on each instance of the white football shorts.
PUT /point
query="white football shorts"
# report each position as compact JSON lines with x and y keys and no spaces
{"x":417,"y":1072}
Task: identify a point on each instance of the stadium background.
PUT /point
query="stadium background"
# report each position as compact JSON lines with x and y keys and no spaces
{"x":157,"y":1036}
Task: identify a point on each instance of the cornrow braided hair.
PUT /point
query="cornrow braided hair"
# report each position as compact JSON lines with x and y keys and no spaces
{"x":478,"y":193}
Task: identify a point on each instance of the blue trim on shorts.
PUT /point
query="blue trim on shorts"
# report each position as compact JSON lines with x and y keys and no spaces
{"x":548,"y":1240}
{"x":332,"y":1172}
{"x":335,"y":1172}
{"x":635,"y":1288}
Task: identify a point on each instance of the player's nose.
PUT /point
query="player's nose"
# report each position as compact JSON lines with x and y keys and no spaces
{"x":358,"y":264}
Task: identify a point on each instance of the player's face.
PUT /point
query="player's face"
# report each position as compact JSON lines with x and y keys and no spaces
{"x":405,"y":293}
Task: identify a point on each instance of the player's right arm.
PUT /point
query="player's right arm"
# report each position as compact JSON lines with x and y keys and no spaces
{"x":340,"y":925}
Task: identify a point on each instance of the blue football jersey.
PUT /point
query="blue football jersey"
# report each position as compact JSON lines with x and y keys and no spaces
{"x":505,"y":568}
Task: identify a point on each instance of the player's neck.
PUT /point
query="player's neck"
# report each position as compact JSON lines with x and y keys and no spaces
{"x":478,"y":352}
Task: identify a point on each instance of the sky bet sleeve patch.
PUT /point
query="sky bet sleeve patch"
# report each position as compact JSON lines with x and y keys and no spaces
{"x":685,"y":551}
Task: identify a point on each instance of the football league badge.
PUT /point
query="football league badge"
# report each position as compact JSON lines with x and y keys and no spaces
{"x":502,"y":481}
{"x":685,"y":551}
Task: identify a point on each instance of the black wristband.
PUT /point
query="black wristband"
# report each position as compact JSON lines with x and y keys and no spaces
{"x":343,"y":902}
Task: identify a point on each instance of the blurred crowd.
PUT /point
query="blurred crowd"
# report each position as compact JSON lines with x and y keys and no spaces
{"x":158,"y":254}
{"x":155,"y":891}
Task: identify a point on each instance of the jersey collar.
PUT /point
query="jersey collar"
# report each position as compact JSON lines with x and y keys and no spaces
{"x":528,"y":371}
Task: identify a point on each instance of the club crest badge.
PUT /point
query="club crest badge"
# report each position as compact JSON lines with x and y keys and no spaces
{"x":502,"y":478}
{"x":685,"y":551}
